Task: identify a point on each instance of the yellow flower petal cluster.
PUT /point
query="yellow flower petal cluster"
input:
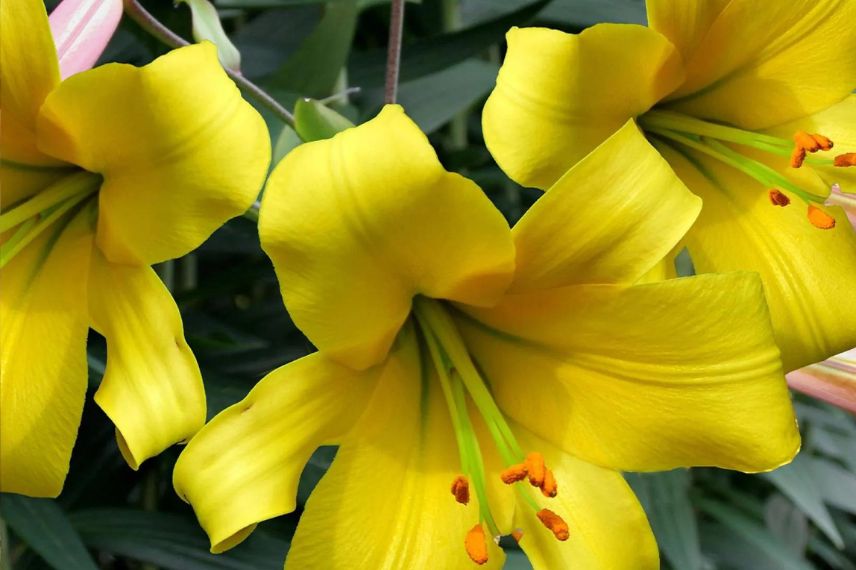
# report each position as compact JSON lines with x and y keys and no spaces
{"x":103,"y":174}
{"x":522,"y":368}
{"x":720,"y":87}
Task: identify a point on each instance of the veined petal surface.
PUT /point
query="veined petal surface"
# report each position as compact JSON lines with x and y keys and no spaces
{"x":560,"y":95}
{"x":809,"y":274}
{"x":28,"y":72}
{"x":358,"y":224}
{"x":609,"y":219}
{"x":43,"y":326}
{"x":152,"y":388}
{"x":759,"y":63}
{"x":385,"y":502}
{"x":608,"y":528}
{"x":244,"y":465}
{"x":178,"y":160}
{"x":623,"y":379}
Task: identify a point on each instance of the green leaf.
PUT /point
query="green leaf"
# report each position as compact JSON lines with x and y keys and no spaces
{"x":171,"y":541}
{"x":742,"y":542}
{"x":315,"y":68}
{"x":583,"y":13}
{"x":665,"y":497}
{"x":315,"y":121}
{"x":207,"y":26}
{"x":837,"y":485}
{"x":797,"y":481}
{"x":287,"y":141}
{"x":43,"y":525}
{"x":788,"y":522}
{"x":433,"y":100}
{"x":430,"y":55}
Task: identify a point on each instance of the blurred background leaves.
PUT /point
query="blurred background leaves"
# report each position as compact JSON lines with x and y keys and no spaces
{"x":802,"y":516}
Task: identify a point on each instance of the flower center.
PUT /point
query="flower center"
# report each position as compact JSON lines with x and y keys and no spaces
{"x":460,"y":380}
{"x":31,"y":217}
{"x":710,"y":138}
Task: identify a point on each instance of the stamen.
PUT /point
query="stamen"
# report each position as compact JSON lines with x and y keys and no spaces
{"x":797,"y":157}
{"x":778,"y":198}
{"x":461,"y":489}
{"x":812,"y":142}
{"x":476,"y":545}
{"x":517,"y":534}
{"x":536,"y":469}
{"x":819,"y":218}
{"x":846,"y":159}
{"x":555,"y":523}
{"x":514,"y":474}
{"x":550,"y":488}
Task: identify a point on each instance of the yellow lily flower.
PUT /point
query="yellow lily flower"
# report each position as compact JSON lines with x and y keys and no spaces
{"x":719,"y":87}
{"x":103,"y":174}
{"x":519,"y":369}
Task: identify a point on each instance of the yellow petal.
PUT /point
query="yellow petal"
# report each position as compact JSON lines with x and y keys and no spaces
{"x":243,"y":466}
{"x":28,"y":72}
{"x":763,"y":63}
{"x":608,"y":528}
{"x":809,"y":274}
{"x":180,"y":151}
{"x":684,"y":23}
{"x":152,"y":389}
{"x":609,"y":219}
{"x":43,"y":358}
{"x":385,"y":502}
{"x":358,"y":224}
{"x":649,"y":377}
{"x":839,"y":124}
{"x":559,"y":95}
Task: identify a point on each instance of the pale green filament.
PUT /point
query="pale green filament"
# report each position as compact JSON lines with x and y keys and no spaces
{"x":757,"y":170}
{"x":435,"y":318}
{"x":73,"y":187}
{"x":39,"y":213}
{"x":459,"y":376}
{"x":468,"y":446}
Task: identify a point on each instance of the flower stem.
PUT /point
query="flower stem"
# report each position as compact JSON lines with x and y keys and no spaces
{"x":393,"y":55}
{"x":144,"y":18}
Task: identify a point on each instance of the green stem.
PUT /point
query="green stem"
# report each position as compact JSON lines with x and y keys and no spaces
{"x":149,"y":23}
{"x":684,"y":123}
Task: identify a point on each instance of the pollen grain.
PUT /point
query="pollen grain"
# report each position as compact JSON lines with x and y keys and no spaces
{"x":555,"y":523}
{"x":819,"y":218}
{"x":778,"y":198}
{"x":461,"y":489}
{"x":476,"y":545}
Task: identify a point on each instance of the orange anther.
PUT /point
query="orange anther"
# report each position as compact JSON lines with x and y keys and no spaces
{"x":812,"y":142}
{"x":555,"y":523}
{"x":476,"y":545}
{"x":517,"y":534}
{"x":797,"y":157}
{"x":778,"y":198}
{"x":535,"y":467}
{"x":847,"y":159}
{"x":514,"y":474}
{"x":819,"y":218}
{"x":461,"y":489}
{"x":549,"y":488}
